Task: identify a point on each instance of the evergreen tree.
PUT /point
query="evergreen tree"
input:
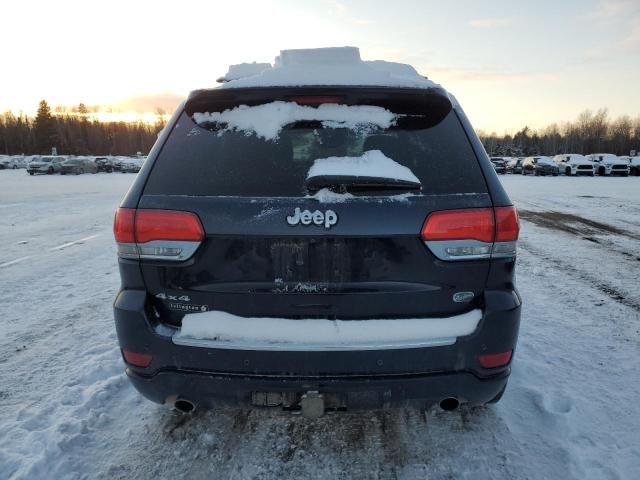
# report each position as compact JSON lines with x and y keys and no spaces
{"x":45,"y":129}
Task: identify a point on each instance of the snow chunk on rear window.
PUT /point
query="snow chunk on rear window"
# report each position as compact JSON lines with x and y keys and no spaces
{"x":373,"y":163}
{"x":324,"y":334}
{"x":332,"y":66}
{"x":325,"y":195}
{"x":267,"y":120}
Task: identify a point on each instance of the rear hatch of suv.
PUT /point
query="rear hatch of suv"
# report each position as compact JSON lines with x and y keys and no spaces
{"x":279,"y":240}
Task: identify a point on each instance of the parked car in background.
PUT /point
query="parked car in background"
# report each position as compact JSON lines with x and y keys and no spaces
{"x":131,"y":165}
{"x":78,"y":166}
{"x":499,"y":164}
{"x":609,"y":164}
{"x":48,"y":164}
{"x":634,"y":165}
{"x":104,"y":164}
{"x":539,"y":165}
{"x":574,"y":164}
{"x":13,"y":162}
{"x":31,"y":158}
{"x":515,"y":165}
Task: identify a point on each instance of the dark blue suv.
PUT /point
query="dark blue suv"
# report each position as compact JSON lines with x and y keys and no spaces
{"x":360,"y":254}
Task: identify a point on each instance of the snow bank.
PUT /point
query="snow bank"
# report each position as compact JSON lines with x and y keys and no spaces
{"x":241,"y":332}
{"x":331,"y":66}
{"x":267,"y":120}
{"x":371,"y":164}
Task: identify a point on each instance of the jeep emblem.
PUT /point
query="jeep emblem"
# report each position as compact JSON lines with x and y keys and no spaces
{"x":305,"y":217}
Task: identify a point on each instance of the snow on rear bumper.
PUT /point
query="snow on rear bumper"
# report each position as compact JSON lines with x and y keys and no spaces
{"x":225,"y":331}
{"x":139,"y":330}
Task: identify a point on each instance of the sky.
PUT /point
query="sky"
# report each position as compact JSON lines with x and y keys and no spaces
{"x":509,"y":63}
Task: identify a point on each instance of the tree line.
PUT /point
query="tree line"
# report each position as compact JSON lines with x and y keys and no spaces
{"x":591,"y":132}
{"x":74,"y":132}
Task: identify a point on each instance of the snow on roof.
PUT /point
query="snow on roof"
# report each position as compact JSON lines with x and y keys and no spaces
{"x":244,"y":70}
{"x":328,"y":66}
{"x":268,"y":119}
{"x":370,"y":164}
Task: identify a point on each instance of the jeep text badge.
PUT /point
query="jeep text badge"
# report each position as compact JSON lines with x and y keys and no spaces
{"x":328,"y":218}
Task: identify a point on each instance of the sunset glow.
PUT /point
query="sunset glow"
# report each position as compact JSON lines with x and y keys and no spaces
{"x":510,"y":63}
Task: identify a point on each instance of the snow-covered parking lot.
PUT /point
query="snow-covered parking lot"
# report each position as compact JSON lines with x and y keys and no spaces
{"x":571,"y":409}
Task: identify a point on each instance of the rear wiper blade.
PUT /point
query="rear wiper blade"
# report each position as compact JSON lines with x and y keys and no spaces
{"x":353,"y":182}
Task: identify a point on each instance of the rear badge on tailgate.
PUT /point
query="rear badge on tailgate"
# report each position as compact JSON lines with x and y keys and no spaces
{"x":184,"y":307}
{"x":305,"y":217}
{"x":181,"y":307}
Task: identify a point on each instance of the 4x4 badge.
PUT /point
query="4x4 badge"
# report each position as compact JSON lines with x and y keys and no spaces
{"x":328,"y":218}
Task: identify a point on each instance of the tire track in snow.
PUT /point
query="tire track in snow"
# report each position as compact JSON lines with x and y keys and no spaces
{"x":607,"y":288}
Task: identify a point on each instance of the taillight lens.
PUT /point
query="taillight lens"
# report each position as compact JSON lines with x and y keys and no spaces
{"x":167,"y":225}
{"x":470,"y":224}
{"x":472,"y":234}
{"x":157,"y":234}
{"x":507,"y":224}
{"x":123,"y":225}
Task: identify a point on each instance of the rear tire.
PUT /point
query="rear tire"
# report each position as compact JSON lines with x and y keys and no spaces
{"x":50,"y":171}
{"x":30,"y":173}
{"x":15,"y":167}
{"x":567,"y":171}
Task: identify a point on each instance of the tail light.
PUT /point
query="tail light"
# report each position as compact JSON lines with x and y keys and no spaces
{"x":157,"y":234}
{"x":472,"y":234}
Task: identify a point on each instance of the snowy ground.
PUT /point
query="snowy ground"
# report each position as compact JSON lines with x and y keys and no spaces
{"x":571,"y":410}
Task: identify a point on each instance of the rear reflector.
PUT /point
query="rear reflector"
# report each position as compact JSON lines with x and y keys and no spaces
{"x":157,"y":234}
{"x":495,"y":360}
{"x":137,"y":359}
{"x":470,"y":224}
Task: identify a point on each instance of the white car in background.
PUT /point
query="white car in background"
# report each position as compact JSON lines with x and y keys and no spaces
{"x":14,"y":162}
{"x":634,"y":165}
{"x":574,"y":164}
{"x":48,"y":164}
{"x":609,"y":164}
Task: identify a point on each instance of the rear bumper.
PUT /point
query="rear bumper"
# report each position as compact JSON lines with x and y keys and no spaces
{"x":340,"y":393}
{"x":349,"y":379}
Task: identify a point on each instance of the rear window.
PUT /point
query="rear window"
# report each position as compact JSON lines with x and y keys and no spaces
{"x":207,"y":161}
